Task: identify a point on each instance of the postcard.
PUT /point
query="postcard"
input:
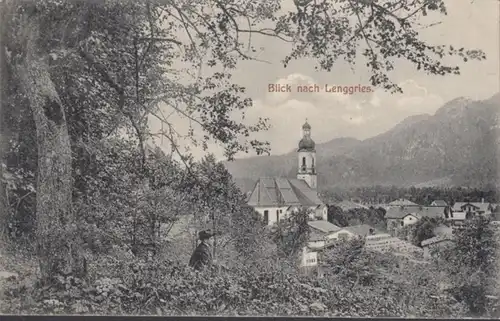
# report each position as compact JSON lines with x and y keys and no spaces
{"x":334,"y":158}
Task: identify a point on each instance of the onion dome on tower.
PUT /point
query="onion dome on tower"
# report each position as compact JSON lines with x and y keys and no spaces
{"x":306,"y":143}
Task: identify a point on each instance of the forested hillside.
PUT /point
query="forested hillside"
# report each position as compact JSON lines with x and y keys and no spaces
{"x":457,"y":146}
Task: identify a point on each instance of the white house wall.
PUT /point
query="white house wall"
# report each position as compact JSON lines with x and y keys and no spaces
{"x":335,"y":235}
{"x":316,"y":244}
{"x":409,"y":220}
{"x":272,"y":213}
{"x":309,"y":258}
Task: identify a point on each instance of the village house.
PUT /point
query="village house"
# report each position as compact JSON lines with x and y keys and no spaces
{"x":402,"y":202}
{"x":440,"y":203}
{"x":309,"y":260}
{"x":457,"y":219}
{"x":385,"y":242}
{"x":275,"y":198}
{"x":347,"y":205}
{"x":320,"y":233}
{"x":474,"y":207}
{"x":398,"y":217}
{"x":436,"y":242}
{"x":324,"y":235}
{"x":349,"y":232}
{"x":374,"y":239}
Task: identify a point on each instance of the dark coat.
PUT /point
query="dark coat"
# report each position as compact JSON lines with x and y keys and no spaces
{"x":202,"y":256}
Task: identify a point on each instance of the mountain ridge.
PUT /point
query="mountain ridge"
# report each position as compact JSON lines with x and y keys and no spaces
{"x":457,"y":146}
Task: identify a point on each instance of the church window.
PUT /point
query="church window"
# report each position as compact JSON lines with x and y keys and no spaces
{"x":266,"y":217}
{"x":303,"y":162}
{"x":277,"y":215}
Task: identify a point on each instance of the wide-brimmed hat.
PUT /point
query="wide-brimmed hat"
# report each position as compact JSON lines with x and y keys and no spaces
{"x":205,"y":234}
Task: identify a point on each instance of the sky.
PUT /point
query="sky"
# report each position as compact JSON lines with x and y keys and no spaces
{"x":470,"y":24}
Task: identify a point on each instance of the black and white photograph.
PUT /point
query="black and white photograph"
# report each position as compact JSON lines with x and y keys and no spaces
{"x":265,"y":158}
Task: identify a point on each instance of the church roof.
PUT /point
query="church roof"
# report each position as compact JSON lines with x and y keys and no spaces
{"x":306,"y":126}
{"x":279,"y":191}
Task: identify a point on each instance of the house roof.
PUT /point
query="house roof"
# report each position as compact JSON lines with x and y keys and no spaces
{"x":478,"y":205}
{"x":402,"y":202}
{"x":482,"y":206}
{"x":443,"y":230}
{"x":417,"y":215}
{"x":324,"y":226}
{"x":349,"y":205}
{"x":360,"y":230}
{"x":422,"y":211}
{"x":279,"y":191}
{"x":436,"y":239}
{"x":440,"y":203}
{"x":316,"y":236}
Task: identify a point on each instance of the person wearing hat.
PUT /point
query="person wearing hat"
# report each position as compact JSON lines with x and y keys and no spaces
{"x":202,"y":256}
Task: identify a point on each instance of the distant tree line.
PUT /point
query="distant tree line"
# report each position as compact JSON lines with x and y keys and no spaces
{"x":424,"y":196}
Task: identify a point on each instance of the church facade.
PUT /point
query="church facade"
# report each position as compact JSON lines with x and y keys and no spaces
{"x":276,"y":198}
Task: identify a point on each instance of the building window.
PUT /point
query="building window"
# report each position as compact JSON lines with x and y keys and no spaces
{"x":402,"y":223}
{"x":266,"y":217}
{"x":303,"y":162}
{"x":277,"y":215}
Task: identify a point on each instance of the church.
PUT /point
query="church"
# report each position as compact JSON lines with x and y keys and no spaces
{"x":275,"y":198}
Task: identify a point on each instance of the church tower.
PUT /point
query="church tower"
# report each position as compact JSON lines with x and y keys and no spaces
{"x":307,"y":158}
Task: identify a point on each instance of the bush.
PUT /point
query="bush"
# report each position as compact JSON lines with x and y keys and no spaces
{"x":171,"y":288}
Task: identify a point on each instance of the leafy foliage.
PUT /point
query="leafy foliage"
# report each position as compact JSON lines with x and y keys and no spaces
{"x":472,"y":265}
{"x":373,"y":217}
{"x":292,"y":234}
{"x":173,"y":289}
{"x":423,"y":229}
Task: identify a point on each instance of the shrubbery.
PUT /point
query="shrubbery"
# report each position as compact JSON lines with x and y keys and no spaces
{"x":356,"y":283}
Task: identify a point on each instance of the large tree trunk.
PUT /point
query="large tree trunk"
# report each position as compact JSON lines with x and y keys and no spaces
{"x":57,"y":245}
{"x":3,"y":203}
{"x":4,"y":206}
